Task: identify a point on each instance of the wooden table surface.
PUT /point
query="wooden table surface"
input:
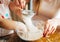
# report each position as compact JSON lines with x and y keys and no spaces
{"x":53,"y":37}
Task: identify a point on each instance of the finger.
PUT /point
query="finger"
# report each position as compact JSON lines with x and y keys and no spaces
{"x":53,"y":31}
{"x":22,"y":2}
{"x":16,"y":2}
{"x":46,"y":30}
{"x":50,"y":30}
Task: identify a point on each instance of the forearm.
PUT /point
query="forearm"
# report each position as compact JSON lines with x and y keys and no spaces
{"x":7,"y":24}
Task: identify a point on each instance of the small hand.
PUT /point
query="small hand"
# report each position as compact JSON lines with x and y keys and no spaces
{"x":50,"y":27}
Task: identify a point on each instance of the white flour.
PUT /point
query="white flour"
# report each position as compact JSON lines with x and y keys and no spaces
{"x":34,"y":32}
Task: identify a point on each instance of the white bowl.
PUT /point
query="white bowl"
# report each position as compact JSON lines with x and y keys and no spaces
{"x":32,"y":36}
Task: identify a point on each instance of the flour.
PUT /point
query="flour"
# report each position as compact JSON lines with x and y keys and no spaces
{"x":33,"y":31}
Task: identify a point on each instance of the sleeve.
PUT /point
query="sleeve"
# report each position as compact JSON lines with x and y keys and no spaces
{"x":57,"y":14}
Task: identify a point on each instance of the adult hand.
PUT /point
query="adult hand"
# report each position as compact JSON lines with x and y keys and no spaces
{"x":16,"y":6}
{"x":50,"y":27}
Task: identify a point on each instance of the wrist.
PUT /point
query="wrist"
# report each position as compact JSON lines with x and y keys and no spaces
{"x":57,"y":20}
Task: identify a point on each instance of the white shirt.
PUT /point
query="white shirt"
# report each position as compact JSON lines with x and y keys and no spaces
{"x":4,"y":11}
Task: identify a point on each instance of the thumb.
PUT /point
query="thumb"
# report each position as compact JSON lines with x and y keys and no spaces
{"x":23,"y":3}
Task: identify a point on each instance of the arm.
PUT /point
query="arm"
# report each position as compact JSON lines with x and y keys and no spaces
{"x":12,"y":25}
{"x":7,"y":24}
{"x":51,"y":24}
